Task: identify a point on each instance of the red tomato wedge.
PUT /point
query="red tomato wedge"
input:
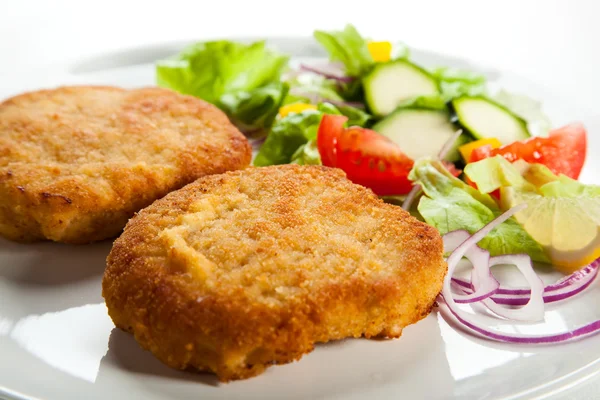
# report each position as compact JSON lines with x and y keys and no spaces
{"x":367,"y":158}
{"x":563,"y":151}
{"x":330,"y":128}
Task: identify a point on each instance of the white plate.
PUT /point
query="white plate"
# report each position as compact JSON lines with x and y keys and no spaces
{"x":57,"y":342}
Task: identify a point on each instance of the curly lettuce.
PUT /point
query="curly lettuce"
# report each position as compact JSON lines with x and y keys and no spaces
{"x":244,"y":80}
{"x":348,"y":47}
{"x":450,"y":204}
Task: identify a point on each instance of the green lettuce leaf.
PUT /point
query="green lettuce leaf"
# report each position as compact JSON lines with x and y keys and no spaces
{"x":244,"y":80}
{"x":450,"y":204}
{"x":211,"y":69}
{"x":400,"y":51}
{"x":437,"y":181}
{"x":328,"y":108}
{"x":356,"y":116}
{"x":312,"y":88}
{"x":287,"y":135}
{"x":450,"y":74}
{"x":307,"y":154}
{"x":527,"y":108}
{"x":348,"y":47}
{"x":254,"y":110}
{"x":455,"y":83}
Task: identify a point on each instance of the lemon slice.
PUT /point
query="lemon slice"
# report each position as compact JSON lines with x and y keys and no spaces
{"x":568,"y":228}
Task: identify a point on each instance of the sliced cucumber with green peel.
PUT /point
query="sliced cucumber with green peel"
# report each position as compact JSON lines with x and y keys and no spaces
{"x":484,"y":118}
{"x":391,"y":83}
{"x":421,"y":132}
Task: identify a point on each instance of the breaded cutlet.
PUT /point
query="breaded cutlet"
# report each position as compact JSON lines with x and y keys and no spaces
{"x":241,"y":270}
{"x":77,"y":162}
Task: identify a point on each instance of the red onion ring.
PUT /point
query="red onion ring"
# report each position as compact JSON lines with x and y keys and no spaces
{"x":553,"y":296}
{"x":533,"y":309}
{"x":561,"y":290}
{"x":447,"y":302}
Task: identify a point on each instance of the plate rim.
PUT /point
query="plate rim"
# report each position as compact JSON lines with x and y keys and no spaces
{"x":81,"y":67}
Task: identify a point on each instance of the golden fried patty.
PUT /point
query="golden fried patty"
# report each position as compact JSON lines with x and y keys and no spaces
{"x":238,"y":271}
{"x":77,"y":162}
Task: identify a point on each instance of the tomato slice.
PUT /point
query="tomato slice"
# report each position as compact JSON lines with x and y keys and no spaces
{"x":563,"y":151}
{"x":330,"y":128}
{"x":368,"y":158}
{"x":452,"y":168}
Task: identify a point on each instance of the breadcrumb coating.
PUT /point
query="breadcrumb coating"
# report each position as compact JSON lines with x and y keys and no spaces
{"x":241,"y":270}
{"x":77,"y":162}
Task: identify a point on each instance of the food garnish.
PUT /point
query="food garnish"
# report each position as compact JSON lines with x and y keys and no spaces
{"x":485,"y":289}
{"x":563,"y":152}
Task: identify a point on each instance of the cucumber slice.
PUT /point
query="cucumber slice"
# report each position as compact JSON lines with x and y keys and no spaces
{"x":391,"y":83}
{"x":421,"y":132}
{"x":484,"y":118}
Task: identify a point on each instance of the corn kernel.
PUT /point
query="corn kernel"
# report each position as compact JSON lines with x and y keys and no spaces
{"x":380,"y":51}
{"x":296,"y":107}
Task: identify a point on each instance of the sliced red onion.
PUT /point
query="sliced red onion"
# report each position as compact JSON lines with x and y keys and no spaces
{"x":416,"y":190}
{"x":522,"y":299}
{"x":329,"y":71}
{"x":552,"y":296}
{"x":576,"y":276}
{"x":448,"y":145}
{"x":536,"y":292}
{"x":256,"y":143}
{"x":454,"y":239}
{"x":315,"y":98}
{"x":312,"y":97}
{"x":564,"y":282}
{"x":533,"y":309}
{"x":561,"y":290}
{"x":410,"y":198}
{"x":291,"y":74}
{"x":354,"y":104}
{"x":582,"y":331}
{"x":480,"y":259}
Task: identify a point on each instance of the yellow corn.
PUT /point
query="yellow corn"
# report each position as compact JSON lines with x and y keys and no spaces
{"x":467,"y":149}
{"x":296,"y":107}
{"x":380,"y":51}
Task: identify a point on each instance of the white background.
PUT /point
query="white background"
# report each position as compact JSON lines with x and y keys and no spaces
{"x":554,"y":43}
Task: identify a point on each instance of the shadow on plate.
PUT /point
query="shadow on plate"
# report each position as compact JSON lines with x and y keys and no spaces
{"x":126,"y":354}
{"x":52,"y":264}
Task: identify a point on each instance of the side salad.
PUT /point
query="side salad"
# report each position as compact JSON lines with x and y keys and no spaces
{"x":382,"y":118}
{"x":487,"y":169}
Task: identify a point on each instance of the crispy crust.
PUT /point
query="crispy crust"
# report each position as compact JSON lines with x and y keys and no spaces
{"x":238,"y":271}
{"x":77,"y":162}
